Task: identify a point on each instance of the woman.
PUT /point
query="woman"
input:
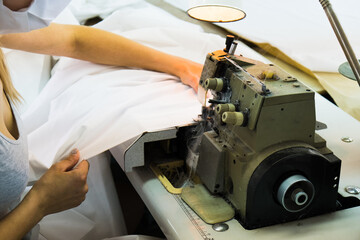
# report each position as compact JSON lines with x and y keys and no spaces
{"x":63,"y":186}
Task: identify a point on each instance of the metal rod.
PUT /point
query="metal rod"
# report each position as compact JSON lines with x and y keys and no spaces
{"x":345,"y":45}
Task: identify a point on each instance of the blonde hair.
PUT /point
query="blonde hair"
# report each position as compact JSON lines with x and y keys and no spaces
{"x":8,"y":86}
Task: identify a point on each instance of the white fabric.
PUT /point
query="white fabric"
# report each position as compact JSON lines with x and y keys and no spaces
{"x":39,"y":14}
{"x":61,"y":226}
{"x":95,"y":107}
{"x":85,"y":9}
{"x":300,"y":29}
{"x":66,"y":17}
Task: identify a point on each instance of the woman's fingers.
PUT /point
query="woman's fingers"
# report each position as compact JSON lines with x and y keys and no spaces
{"x":69,"y":162}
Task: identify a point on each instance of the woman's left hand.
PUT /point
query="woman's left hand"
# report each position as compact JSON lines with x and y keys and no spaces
{"x":189,"y":73}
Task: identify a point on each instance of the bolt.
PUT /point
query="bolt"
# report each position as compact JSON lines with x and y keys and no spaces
{"x":220,"y":227}
{"x":347,"y":139}
{"x":352,"y":190}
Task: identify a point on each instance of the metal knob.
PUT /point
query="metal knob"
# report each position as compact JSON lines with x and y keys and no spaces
{"x":295,"y":193}
{"x":228,"y":43}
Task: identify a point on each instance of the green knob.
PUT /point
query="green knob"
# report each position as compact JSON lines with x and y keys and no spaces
{"x":221,"y":108}
{"x":214,"y":84}
{"x":233,"y":118}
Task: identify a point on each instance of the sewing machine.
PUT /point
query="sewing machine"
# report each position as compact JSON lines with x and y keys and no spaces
{"x":262,"y":152}
{"x":255,"y":145}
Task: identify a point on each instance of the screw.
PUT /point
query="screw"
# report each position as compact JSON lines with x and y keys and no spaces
{"x":347,"y":139}
{"x":352,"y":190}
{"x":220,"y":227}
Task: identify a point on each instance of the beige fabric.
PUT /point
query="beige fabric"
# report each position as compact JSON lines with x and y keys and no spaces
{"x":345,"y":92}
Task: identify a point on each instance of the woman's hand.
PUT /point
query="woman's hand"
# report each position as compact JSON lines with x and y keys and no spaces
{"x":62,"y":186}
{"x":190,"y":73}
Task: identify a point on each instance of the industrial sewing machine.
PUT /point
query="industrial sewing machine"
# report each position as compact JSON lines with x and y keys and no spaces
{"x":262,"y":151}
{"x":255,"y":145}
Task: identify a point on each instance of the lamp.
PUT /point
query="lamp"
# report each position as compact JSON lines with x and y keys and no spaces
{"x":345,"y":45}
{"x":216,"y":10}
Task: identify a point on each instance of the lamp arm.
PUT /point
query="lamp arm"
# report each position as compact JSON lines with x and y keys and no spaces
{"x":345,"y":45}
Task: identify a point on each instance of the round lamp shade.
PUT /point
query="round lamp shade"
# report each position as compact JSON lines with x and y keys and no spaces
{"x":215,"y":10}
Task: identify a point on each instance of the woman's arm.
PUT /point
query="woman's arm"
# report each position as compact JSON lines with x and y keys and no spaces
{"x":60,"y":188}
{"x":102,"y":47}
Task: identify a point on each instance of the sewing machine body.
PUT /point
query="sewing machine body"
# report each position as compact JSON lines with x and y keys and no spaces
{"x":267,"y":159}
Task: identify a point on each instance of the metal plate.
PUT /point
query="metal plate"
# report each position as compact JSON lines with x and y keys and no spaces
{"x":346,"y":70}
